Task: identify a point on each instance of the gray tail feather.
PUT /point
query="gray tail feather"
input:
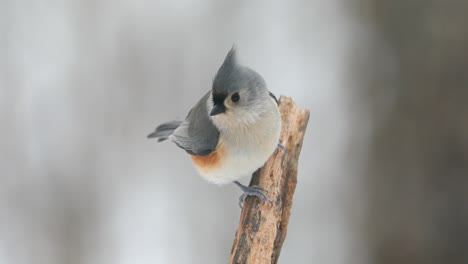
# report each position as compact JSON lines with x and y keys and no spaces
{"x":163,"y":131}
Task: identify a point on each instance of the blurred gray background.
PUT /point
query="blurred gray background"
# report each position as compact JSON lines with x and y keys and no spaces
{"x":384,"y":166}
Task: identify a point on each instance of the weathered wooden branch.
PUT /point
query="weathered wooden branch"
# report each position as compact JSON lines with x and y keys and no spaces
{"x":262,"y":227}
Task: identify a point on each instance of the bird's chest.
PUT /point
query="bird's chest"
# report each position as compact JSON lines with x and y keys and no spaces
{"x":241,"y":149}
{"x":250,"y":147}
{"x":239,"y":154}
{"x":232,"y":155}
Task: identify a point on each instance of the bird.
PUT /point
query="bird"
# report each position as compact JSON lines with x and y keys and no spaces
{"x":232,"y":130}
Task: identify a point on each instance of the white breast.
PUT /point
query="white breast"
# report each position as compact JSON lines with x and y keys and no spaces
{"x":246,"y":148}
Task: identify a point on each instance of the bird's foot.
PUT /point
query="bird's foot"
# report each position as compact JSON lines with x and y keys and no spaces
{"x":281,"y":146}
{"x":251,"y":191}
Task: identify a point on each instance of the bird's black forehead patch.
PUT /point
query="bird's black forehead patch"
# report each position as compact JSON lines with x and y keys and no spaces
{"x":218,"y":98}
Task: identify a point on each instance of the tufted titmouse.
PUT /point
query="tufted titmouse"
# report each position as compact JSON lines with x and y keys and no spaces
{"x":232,"y":130}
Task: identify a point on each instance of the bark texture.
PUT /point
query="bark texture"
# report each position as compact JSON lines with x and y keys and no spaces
{"x":262,"y":227}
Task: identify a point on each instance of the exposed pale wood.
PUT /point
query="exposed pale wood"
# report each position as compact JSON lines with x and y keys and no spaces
{"x":262,"y":227}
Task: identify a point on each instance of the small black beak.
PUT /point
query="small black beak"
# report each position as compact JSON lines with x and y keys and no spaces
{"x":217,"y":109}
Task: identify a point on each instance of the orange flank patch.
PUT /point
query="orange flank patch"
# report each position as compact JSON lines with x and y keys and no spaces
{"x":212,"y":160}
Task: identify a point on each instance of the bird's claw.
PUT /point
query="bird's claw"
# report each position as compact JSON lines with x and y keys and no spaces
{"x":251,"y":191}
{"x":281,"y":146}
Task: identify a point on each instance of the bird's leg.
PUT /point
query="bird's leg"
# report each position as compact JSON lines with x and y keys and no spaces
{"x":251,"y":191}
{"x":257,"y":190}
{"x":281,"y":146}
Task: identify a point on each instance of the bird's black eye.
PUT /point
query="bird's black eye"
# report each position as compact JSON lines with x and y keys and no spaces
{"x":235,"y":97}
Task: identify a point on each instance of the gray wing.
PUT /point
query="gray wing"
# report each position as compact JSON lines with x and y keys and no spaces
{"x":197,"y":134}
{"x":164,"y":131}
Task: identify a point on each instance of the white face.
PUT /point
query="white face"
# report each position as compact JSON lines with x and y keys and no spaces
{"x":241,"y":110}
